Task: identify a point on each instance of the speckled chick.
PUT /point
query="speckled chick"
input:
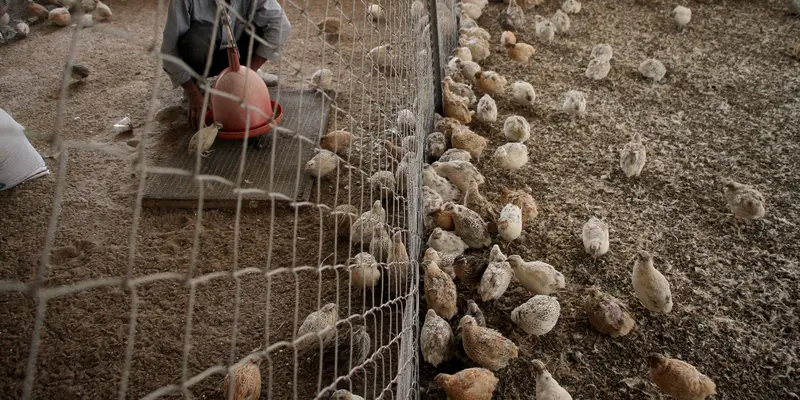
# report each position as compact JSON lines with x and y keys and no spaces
{"x":546,"y":387}
{"x":490,"y":82}
{"x":470,"y":227}
{"x":680,"y":379}
{"x":469,"y":141}
{"x":204,"y":138}
{"x":468,"y":384}
{"x":561,"y":22}
{"x":431,"y":201}
{"x":475,"y":201}
{"x":509,"y":224}
{"x":507,"y":38}
{"x":436,"y":339}
{"x":496,"y":278}
{"x":455,"y":155}
{"x":462,"y":53}
{"x":475,"y":312}
{"x":536,"y":276}
{"x":595,"y":237}
{"x":380,"y":245}
{"x":511,"y":156}
{"x":681,"y":16}
{"x":652,"y":69}
{"x":246,"y":381}
{"x":598,"y":69}
{"x":651,"y":287}
{"x":602,"y":51}
{"x":446,"y":125}
{"x":514,"y":17}
{"x":478,"y":48}
{"x":463,"y":174}
{"x":322,"y":164}
{"x":520,"y":52}
{"x":486,"y":347}
{"x":571,"y":6}
{"x":607,"y":314}
{"x":322,"y":323}
{"x":446,"y":242}
{"x":364,"y":225}
{"x":364,"y":272}
{"x":444,"y":218}
{"x":446,"y":189}
{"x":470,"y":69}
{"x":337,"y":141}
{"x":545,"y":31}
{"x":383,"y":184}
{"x":522,"y":93}
{"x":538,"y":315}
{"x":469,"y":268}
{"x":443,"y":260}
{"x":343,"y":394}
{"x":477,"y":32}
{"x":521,"y":199}
{"x":398,"y":263}
{"x":343,"y":217}
{"x":486,"y":110}
{"x":461,"y":89}
{"x":574,"y":103}
{"x":455,"y":106}
{"x":440,"y":291}
{"x":516,"y":129}
{"x":633,"y":157}
{"x":745,"y":201}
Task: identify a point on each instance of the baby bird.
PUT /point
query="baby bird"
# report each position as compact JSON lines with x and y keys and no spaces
{"x":514,"y":17}
{"x":446,"y":125}
{"x":375,"y":12}
{"x":490,"y":82}
{"x":79,"y":72}
{"x":343,"y":394}
{"x":470,"y":269}
{"x":469,"y":141}
{"x":322,"y":164}
{"x":602,"y":51}
{"x":507,"y":38}
{"x":398,"y":259}
{"x":455,"y":155}
{"x":522,"y":93}
{"x":470,"y":227}
{"x":462,"y":173}
{"x":406,"y":120}
{"x":446,"y":190}
{"x":745,"y":201}
{"x":380,"y":55}
{"x":478,"y":203}
{"x":443,"y":260}
{"x":523,"y":200}
{"x":343,"y":216}
{"x":446,"y":242}
{"x":23,"y":30}
{"x":561,"y":22}
{"x":380,"y":245}
{"x":364,"y":225}
{"x":468,"y":384}
{"x":496,"y":278}
{"x":607,"y":314}
{"x":516,"y":129}
{"x":536,"y":276}
{"x":598,"y":69}
{"x":444,"y":218}
{"x":101,"y":11}
{"x":330,"y":28}
{"x":440,"y":291}
{"x":475,"y":312}
{"x":59,"y":16}
{"x":511,"y":156}
{"x":595,"y":237}
{"x":538,"y":315}
{"x":486,"y":347}
{"x":455,"y":106}
{"x":681,"y":15}
{"x":337,"y":141}
{"x":435,"y":145}
{"x":461,"y":89}
{"x":545,"y":31}
{"x":633,"y":157}
{"x":546,"y":387}
{"x":204,"y":138}
{"x":431,"y":202}
{"x":651,"y":287}
{"x":652,"y":69}
{"x":471,"y":10}
{"x":478,"y":48}
{"x":37,"y":10}
{"x":462,"y":53}
{"x":520,"y":52}
{"x":364,"y":272}
{"x":246,"y":383}
{"x":574,"y":103}
{"x":383,"y":183}
{"x":571,"y":6}
{"x":436,"y":339}
{"x":679,"y":379}
{"x":319,"y":324}
{"x":469,"y":69}
{"x":487,"y":109}
{"x":322,"y":79}
{"x":509,"y":225}
{"x":477,"y":32}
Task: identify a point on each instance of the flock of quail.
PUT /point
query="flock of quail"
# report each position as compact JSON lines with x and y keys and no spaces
{"x":57,"y":12}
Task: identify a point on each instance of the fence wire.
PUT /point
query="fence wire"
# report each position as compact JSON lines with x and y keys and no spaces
{"x":371,"y":350}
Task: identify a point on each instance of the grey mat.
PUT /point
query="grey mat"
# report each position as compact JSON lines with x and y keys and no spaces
{"x":305,"y":113}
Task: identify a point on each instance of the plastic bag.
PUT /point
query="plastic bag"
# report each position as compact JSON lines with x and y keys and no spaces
{"x":19,"y":161}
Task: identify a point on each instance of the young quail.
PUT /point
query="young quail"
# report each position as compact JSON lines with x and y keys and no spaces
{"x":607,"y":314}
{"x":496,"y":278}
{"x":633,"y":157}
{"x":538,"y":315}
{"x":536,"y":276}
{"x":486,"y":347}
{"x":440,"y":291}
{"x":595,"y":237}
{"x":436,"y":339}
{"x":651,"y":287}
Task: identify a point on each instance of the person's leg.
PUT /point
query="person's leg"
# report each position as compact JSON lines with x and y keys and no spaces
{"x":243,"y":44}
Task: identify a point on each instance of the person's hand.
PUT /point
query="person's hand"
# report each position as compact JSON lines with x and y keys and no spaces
{"x":195,"y":99}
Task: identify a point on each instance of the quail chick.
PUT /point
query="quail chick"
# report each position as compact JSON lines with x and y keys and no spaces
{"x":520,"y":52}
{"x":516,"y":129}
{"x":487,"y":109}
{"x":364,"y":272}
{"x":465,"y":21}
{"x":545,"y":31}
{"x":455,"y":155}
{"x":447,"y":126}
{"x":37,"y":10}
{"x":380,"y":55}
{"x":607,"y":314}
{"x":478,"y":203}
{"x":446,"y":242}
{"x":546,"y":387}
{"x":436,"y":339}
{"x":598,"y":69}
{"x":446,"y":190}
{"x":22,"y":29}
{"x":319,"y":325}
{"x":507,"y":38}
{"x":469,"y":141}
{"x":101,"y":11}
{"x":322,"y":164}
{"x":398,"y":261}
{"x":486,"y":347}
{"x":514,"y":17}
{"x":470,"y":69}
{"x":455,"y":106}
{"x":461,"y":89}
{"x":681,"y":15}
{"x":651,"y":287}
{"x":561,"y":22}
{"x":680,"y":379}
{"x":444,"y":218}
{"x":431,"y":202}
{"x":523,"y":200}
{"x":471,"y":10}
{"x":745,"y":201}
{"x":204,"y":138}
{"x":322,"y":79}
{"x":571,"y":6}
{"x":364,"y":225}
{"x":79,"y":72}
{"x":246,"y":383}
{"x":375,"y":12}
{"x":353,"y":344}
{"x":440,"y":291}
{"x":652,"y":69}
{"x":490,"y":82}
{"x":380,"y":245}
{"x":633,"y":157}
{"x":475,"y":312}
{"x":478,"y":48}
{"x":343,"y":217}
{"x":330,"y":27}
{"x":509,"y":225}
{"x":496,"y":278}
{"x":337,"y":141}
{"x":462,"y":53}
{"x":536,"y":276}
{"x":595,"y":237}
{"x":443,"y":260}
{"x":469,"y":269}
{"x":343,"y":394}
{"x":406,"y":121}
{"x":511,"y":156}
{"x":59,"y":16}
{"x":602,"y":51}
{"x":522,"y":93}
{"x":468,"y":384}
{"x":574,"y":103}
{"x":538,"y":315}
{"x":476,"y":32}
{"x":435,"y":144}
{"x":383,"y":183}
{"x":470,"y":227}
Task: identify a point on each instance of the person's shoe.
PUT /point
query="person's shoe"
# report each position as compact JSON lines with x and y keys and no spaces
{"x":270,"y":79}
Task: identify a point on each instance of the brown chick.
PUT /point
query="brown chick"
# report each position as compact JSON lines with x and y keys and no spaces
{"x":330,"y":26}
{"x":444,"y":219}
{"x":455,"y":106}
{"x":398,"y":263}
{"x":745,"y":201}
{"x":469,"y":268}
{"x":680,"y":379}
{"x":470,"y":227}
{"x":475,"y":312}
{"x":507,"y":38}
{"x":246,"y":381}
{"x":79,"y":72}
{"x":523,"y":200}
{"x":37,"y":10}
{"x":520,"y":52}
{"x":319,"y":325}
{"x":468,"y":384}
{"x":475,"y":201}
{"x":443,"y":260}
{"x":436,"y":339}
{"x":469,"y":141}
{"x":59,"y":16}
{"x":343,"y":216}
{"x":651,"y":287}
{"x":608,"y":314}
{"x":490,"y":82}
{"x":101,"y":11}
{"x":337,"y":142}
{"x":440,"y":291}
{"x":486,"y":347}
{"x":447,"y":126}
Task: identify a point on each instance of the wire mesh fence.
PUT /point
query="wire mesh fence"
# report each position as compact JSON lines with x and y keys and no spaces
{"x":321,"y":294}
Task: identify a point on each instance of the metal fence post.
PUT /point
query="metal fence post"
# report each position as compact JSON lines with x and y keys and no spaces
{"x":436,"y":56}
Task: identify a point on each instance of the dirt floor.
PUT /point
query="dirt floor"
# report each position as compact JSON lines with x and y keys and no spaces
{"x":84,"y":335}
{"x":729,"y":106}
